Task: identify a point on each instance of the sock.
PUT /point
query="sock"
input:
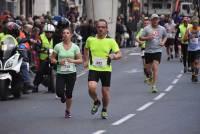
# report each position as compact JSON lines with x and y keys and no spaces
{"x":97,"y":102}
{"x":104,"y":110}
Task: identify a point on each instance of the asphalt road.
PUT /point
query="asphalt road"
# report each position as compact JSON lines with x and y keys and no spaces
{"x":132,"y":110}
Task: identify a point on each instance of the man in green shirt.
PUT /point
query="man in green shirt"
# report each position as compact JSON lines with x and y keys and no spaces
{"x":99,"y":51}
{"x":184,"y":44}
{"x":145,"y":22}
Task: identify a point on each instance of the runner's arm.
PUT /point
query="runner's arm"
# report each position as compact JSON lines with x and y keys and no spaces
{"x":86,"y":57}
{"x":186,"y":38}
{"x":77,"y":60}
{"x":116,"y":56}
{"x":53,"y":58}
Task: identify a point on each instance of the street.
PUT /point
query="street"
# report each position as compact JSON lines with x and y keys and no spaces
{"x":132,"y":110}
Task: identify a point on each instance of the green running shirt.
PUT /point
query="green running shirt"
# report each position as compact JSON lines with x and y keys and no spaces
{"x":99,"y":50}
{"x":63,"y":54}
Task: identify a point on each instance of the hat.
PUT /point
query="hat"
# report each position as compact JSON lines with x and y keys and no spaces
{"x":195,"y":19}
{"x":154,"y":16}
{"x":146,"y":18}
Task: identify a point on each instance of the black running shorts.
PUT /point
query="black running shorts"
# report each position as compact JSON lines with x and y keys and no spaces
{"x":104,"y":76}
{"x":194,"y":55}
{"x":150,"y":57}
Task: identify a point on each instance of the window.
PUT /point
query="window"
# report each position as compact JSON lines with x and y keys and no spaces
{"x":168,"y":6}
{"x":185,"y":7}
{"x":145,"y":5}
{"x":157,"y":5}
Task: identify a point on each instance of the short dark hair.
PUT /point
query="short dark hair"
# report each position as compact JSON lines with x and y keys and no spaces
{"x":67,"y":28}
{"x":103,"y":20}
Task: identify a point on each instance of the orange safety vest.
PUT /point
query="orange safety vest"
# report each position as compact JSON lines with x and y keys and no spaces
{"x":22,"y":36}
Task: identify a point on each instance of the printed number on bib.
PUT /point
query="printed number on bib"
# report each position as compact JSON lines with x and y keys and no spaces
{"x":99,"y":62}
{"x":170,"y":35}
{"x":66,"y":67}
{"x":195,"y":40}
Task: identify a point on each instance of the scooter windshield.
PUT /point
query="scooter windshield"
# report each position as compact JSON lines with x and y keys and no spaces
{"x":7,"y":48}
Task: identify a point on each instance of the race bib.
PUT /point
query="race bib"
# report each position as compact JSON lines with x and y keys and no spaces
{"x":156,"y":34}
{"x":99,"y":62}
{"x":195,"y":41}
{"x":66,"y":67}
{"x":170,"y":35}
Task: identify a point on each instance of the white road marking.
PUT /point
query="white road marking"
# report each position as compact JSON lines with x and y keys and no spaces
{"x":175,"y":81}
{"x":134,"y":54}
{"x":145,"y":106}
{"x":159,"y":96}
{"x":99,"y":132}
{"x":169,"y":88}
{"x":133,"y":71}
{"x":179,"y":76}
{"x":122,"y":120}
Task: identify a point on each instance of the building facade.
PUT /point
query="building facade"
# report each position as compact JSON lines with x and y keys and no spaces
{"x":39,"y":7}
{"x":160,"y":6}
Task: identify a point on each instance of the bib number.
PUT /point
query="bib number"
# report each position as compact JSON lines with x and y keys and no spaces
{"x":99,"y":62}
{"x":170,"y":35}
{"x":195,"y":40}
{"x":66,"y":67}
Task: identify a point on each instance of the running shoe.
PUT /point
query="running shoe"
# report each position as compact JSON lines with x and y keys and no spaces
{"x":150,"y":80}
{"x":172,"y":56}
{"x":154,"y":89}
{"x":67,"y":114}
{"x":181,"y":60}
{"x":95,"y":107}
{"x":189,"y":69}
{"x":185,"y":69}
{"x":146,"y":80}
{"x":104,"y":115}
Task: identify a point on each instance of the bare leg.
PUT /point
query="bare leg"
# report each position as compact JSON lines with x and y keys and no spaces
{"x":155,"y":72}
{"x":105,"y":96}
{"x":68,"y":104}
{"x":92,"y":86}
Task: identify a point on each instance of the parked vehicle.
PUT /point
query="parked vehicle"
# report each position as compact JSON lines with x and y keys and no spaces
{"x":186,"y":9}
{"x":10,"y":63}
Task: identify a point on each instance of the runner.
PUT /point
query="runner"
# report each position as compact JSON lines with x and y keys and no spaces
{"x":193,"y":36}
{"x":170,"y":27}
{"x":155,"y":37}
{"x":184,"y":44}
{"x":99,"y":51}
{"x":68,"y":55}
{"x":142,"y":46}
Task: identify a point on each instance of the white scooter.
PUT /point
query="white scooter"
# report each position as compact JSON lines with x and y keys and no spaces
{"x":10,"y":63}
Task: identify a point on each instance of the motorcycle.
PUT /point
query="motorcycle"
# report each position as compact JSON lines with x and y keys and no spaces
{"x":10,"y":63}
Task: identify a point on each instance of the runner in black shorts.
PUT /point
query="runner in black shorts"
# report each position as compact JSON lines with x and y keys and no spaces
{"x":155,"y":37}
{"x":192,"y":35}
{"x":169,"y":44}
{"x":99,"y":51}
